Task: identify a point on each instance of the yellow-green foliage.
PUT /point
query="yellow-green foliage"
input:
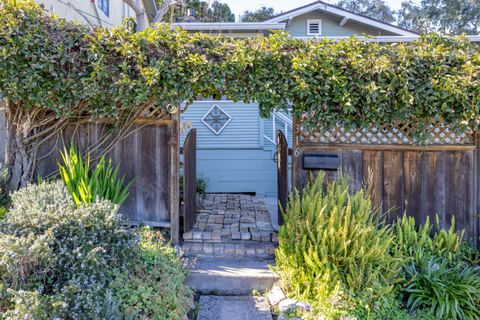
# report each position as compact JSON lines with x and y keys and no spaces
{"x":86,"y":184}
{"x":334,"y":242}
{"x":420,"y":242}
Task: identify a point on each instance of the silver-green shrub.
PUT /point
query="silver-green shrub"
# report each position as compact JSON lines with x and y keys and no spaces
{"x":63,"y":253}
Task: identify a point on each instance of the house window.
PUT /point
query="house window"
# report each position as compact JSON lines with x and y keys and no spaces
{"x":314,"y":27}
{"x":104,"y":5}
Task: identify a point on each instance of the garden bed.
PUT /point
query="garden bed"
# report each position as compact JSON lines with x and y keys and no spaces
{"x":337,"y":253}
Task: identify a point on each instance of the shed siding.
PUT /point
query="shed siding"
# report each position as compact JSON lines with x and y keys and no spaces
{"x":238,"y":159}
{"x":240,"y":170}
{"x":331,"y":26}
{"x":243,"y":130}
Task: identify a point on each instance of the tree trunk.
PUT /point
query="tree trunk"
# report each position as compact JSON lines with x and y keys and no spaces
{"x":142,"y":21}
{"x":21,"y":154}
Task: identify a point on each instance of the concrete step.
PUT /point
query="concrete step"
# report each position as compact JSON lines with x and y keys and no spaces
{"x":226,"y":276}
{"x":222,"y":235}
{"x":229,"y":249}
{"x":233,"y":308}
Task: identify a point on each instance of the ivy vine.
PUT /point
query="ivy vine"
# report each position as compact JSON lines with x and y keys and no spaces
{"x":47,"y":62}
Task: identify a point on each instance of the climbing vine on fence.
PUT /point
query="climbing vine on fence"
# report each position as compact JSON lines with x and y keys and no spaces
{"x":53,"y":71}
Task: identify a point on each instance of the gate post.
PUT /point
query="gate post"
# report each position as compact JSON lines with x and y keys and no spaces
{"x":174,"y":178}
{"x":282,"y":174}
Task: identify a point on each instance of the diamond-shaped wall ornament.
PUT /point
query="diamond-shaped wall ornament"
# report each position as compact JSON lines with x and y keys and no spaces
{"x":216,"y":119}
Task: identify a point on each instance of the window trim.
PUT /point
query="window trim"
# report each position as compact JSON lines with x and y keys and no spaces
{"x":310,"y":21}
{"x":105,"y":10}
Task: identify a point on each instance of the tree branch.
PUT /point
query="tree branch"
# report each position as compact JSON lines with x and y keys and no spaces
{"x":164,"y":9}
{"x":140,"y":14}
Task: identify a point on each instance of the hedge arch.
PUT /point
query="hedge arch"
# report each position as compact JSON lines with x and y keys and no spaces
{"x":54,"y":73}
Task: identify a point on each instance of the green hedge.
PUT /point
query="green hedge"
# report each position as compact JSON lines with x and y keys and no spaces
{"x":48,"y":62}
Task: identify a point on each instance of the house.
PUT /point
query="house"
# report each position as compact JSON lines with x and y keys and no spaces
{"x":106,"y":13}
{"x":236,"y":149}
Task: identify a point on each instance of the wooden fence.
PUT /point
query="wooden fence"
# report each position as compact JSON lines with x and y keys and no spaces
{"x":438,"y":178}
{"x":149,"y":157}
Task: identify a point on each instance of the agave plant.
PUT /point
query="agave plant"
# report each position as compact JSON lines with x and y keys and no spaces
{"x":86,"y":184}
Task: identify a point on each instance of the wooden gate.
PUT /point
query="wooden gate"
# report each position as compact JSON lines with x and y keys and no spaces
{"x":438,"y":178}
{"x":190,"y":180}
{"x":282,"y":174}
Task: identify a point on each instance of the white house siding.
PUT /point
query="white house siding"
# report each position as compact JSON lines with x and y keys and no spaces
{"x":118,"y":11}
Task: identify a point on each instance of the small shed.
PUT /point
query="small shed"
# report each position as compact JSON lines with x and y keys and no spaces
{"x":236,"y":149}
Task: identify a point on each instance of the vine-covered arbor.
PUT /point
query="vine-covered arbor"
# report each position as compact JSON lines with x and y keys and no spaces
{"x":56,"y":75}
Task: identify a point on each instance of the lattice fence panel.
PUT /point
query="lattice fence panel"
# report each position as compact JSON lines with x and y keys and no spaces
{"x":387,"y":134}
{"x":156,"y":113}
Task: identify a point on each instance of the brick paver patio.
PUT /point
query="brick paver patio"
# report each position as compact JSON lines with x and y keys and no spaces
{"x":231,"y":224}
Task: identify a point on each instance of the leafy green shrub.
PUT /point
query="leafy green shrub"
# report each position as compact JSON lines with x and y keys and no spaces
{"x":86,"y":184}
{"x":63,"y":253}
{"x":337,"y":242}
{"x":153,"y":285}
{"x":450,"y":292}
{"x":3,"y":212}
{"x":438,"y":269}
{"x":387,"y":307}
{"x":202,"y":185}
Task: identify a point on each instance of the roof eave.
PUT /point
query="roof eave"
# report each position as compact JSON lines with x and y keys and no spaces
{"x":218,"y":26}
{"x":343,"y":13}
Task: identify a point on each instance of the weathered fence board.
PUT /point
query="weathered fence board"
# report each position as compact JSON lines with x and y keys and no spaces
{"x":143,"y":156}
{"x":190,"y":180}
{"x":421,"y":181}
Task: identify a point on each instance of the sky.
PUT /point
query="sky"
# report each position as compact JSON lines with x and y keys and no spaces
{"x":239,"y":6}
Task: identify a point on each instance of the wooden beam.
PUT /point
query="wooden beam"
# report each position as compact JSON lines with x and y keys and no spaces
{"x":391,"y":147}
{"x":153,"y":122}
{"x":296,"y":160}
{"x":174,"y":178}
{"x":149,"y":121}
{"x":344,"y":21}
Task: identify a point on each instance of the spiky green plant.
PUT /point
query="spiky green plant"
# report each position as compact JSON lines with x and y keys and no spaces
{"x":448,"y":291}
{"x":334,"y":241}
{"x":419,"y":242}
{"x":86,"y":184}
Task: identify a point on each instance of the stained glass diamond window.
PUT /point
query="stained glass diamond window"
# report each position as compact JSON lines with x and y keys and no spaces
{"x":216,"y":119}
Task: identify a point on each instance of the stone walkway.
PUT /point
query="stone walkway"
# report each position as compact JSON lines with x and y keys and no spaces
{"x":232,"y":217}
{"x":234,"y":308}
{"x":231,"y":225}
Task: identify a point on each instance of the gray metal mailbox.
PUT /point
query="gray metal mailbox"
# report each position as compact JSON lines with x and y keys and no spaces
{"x":321,"y":161}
